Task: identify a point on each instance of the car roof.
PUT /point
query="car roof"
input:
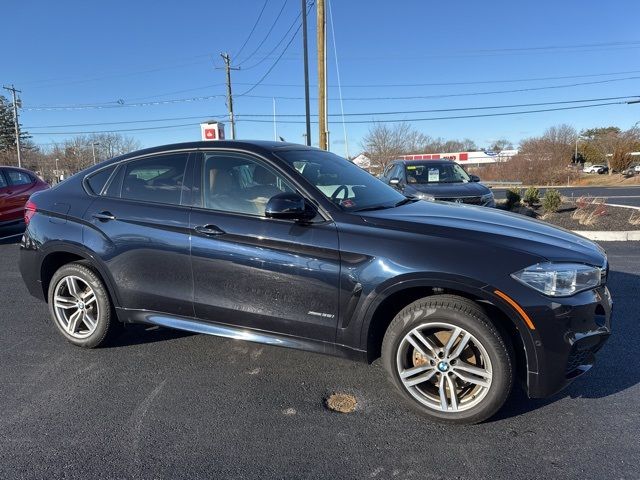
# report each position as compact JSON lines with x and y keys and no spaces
{"x":251,"y":145}
{"x":13,"y":167}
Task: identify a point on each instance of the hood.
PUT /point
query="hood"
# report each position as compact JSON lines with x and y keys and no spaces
{"x":448,"y":190}
{"x":490,"y":226}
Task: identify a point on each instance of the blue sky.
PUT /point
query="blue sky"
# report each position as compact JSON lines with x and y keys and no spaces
{"x":73,"y":53}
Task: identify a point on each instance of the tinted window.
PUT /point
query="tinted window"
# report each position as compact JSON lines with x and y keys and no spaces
{"x":236,"y":183}
{"x":17,"y":177}
{"x":3,"y":182}
{"x":341,"y":181}
{"x":97,"y":181}
{"x":155,"y":179}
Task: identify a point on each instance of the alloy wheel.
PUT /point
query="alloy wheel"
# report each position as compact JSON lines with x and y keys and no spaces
{"x":444,"y":367}
{"x":76,"y":307}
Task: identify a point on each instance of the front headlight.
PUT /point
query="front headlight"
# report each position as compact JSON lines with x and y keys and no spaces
{"x":559,"y":279}
{"x":425,"y":196}
{"x":486,"y":197}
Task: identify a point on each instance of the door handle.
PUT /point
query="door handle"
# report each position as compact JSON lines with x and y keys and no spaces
{"x":209,"y":230}
{"x":104,"y":216}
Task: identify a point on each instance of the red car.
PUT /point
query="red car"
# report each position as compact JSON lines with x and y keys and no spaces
{"x":16,"y":185}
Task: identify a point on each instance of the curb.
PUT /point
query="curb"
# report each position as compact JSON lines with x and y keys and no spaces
{"x":604,"y":236}
{"x":623,"y":206}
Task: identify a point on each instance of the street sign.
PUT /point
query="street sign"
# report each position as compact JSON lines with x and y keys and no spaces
{"x":210,"y":131}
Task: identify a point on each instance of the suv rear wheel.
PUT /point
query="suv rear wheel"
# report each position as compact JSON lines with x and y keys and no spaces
{"x":448,"y":359}
{"x":80,"y":306}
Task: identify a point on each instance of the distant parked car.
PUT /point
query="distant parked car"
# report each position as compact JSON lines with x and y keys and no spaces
{"x":631,"y":170}
{"x":16,"y":185}
{"x":596,"y":169}
{"x":437,"y":180}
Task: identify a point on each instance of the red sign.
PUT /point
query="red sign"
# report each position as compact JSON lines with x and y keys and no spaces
{"x":210,"y":133}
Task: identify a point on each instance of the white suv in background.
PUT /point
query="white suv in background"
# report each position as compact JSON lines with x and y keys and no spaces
{"x":595,"y":169}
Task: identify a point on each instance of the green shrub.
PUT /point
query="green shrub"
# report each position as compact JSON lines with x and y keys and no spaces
{"x":551,"y":201}
{"x":531,"y":196}
{"x":513,"y":198}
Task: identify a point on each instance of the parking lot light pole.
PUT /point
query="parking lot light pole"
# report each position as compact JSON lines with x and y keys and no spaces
{"x":93,"y":150}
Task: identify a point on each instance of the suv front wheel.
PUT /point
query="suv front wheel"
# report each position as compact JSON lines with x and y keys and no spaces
{"x":80,"y":306}
{"x":448,"y":359}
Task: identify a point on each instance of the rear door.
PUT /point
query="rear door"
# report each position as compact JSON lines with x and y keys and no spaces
{"x":139,"y":225}
{"x":249,"y":270}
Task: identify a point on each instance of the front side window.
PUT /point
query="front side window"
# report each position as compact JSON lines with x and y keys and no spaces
{"x":436,"y":173}
{"x":341,"y":181}
{"x":397,"y":172}
{"x":239,"y":184}
{"x":17,"y":177}
{"x":158,"y":179}
{"x":3,"y":182}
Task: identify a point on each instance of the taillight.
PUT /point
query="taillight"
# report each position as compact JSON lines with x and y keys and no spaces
{"x":29,"y":211}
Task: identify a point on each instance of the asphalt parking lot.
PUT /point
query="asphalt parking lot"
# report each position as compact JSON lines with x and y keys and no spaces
{"x":165,"y":404}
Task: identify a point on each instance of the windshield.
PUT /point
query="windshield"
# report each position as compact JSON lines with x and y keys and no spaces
{"x":341,"y":181}
{"x":436,"y":173}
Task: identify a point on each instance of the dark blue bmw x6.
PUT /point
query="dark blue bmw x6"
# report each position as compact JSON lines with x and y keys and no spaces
{"x":297,"y":247}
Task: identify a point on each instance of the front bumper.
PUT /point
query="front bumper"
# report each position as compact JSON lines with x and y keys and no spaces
{"x":569,"y":333}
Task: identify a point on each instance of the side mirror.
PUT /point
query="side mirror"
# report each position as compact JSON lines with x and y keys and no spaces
{"x":289,"y":206}
{"x":394,"y":182}
{"x":474,"y":178}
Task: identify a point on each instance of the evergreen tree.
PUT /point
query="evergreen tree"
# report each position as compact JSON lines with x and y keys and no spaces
{"x":7,"y":128}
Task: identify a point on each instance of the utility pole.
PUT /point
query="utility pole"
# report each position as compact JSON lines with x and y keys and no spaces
{"x":228,"y":68}
{"x":16,"y":123}
{"x":322,"y":86}
{"x":93,"y":150}
{"x":306,"y":73}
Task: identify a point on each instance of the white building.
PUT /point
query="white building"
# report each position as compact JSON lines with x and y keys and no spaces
{"x":466,"y":158}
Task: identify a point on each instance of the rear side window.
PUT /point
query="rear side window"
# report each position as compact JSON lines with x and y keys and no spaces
{"x":3,"y":182}
{"x":157,"y":179}
{"x":17,"y":177}
{"x":98,"y":180}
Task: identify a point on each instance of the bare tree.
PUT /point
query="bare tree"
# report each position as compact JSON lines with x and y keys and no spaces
{"x":501,"y":144}
{"x":540,"y":160}
{"x":611,"y":145}
{"x":384,"y":143}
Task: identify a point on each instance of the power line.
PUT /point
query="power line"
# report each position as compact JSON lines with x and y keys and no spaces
{"x":355,"y":114}
{"x":274,"y":63}
{"x":442,"y":84}
{"x":252,"y":29}
{"x":448,"y":95}
{"x":183,"y":62}
{"x":381,"y":85}
{"x":482,"y":115}
{"x":267,"y":36}
{"x":280,"y":97}
{"x":501,"y":114}
{"x":119,"y":104}
{"x":268,"y":55}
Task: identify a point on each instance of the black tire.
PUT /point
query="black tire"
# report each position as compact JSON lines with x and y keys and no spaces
{"x":106,"y":322}
{"x":469,"y":316}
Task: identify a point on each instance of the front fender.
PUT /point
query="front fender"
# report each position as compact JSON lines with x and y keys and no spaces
{"x":467,"y":287}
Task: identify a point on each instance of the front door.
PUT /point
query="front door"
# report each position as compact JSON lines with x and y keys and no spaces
{"x":273,"y":275}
